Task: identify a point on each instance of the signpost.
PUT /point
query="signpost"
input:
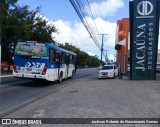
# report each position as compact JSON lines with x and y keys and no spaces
{"x":144,"y":26}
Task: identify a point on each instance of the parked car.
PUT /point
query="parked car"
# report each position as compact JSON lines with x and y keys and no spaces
{"x":108,"y":71}
{"x":158,"y":67}
{"x":128,"y":67}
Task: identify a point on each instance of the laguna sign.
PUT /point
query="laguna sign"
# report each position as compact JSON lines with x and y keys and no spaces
{"x":144,"y":26}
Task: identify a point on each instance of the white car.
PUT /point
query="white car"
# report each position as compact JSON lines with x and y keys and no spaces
{"x":128,"y":67}
{"x":158,"y":67}
{"x":108,"y":71}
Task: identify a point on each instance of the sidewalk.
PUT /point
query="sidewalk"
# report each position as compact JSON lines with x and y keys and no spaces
{"x":89,"y":97}
{"x":6,"y":74}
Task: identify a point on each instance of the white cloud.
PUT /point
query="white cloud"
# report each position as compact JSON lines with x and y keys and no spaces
{"x":91,"y":54}
{"x":106,"y":7}
{"x":75,"y":35}
{"x":111,"y":57}
{"x":107,"y":28}
{"x":78,"y":36}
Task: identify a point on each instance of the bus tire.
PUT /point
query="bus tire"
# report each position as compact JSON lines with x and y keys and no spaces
{"x":60,"y":77}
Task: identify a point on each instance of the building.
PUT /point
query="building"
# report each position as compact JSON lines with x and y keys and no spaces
{"x":122,"y":45}
{"x":158,"y":56}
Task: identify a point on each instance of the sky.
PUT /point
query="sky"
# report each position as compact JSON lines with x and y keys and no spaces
{"x":70,"y":28}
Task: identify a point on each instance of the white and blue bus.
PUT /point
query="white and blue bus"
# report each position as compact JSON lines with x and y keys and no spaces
{"x":36,"y":60}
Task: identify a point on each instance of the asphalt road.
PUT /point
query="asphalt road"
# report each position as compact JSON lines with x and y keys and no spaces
{"x":84,"y":96}
{"x":16,"y":93}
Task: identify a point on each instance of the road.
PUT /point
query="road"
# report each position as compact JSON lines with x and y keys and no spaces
{"x":84,"y":96}
{"x":16,"y":93}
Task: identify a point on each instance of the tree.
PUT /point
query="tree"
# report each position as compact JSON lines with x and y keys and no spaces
{"x":41,"y":30}
{"x":4,"y":8}
{"x":19,"y":23}
{"x":83,"y":59}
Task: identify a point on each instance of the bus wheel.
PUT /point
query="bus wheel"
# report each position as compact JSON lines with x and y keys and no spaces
{"x":60,"y":78}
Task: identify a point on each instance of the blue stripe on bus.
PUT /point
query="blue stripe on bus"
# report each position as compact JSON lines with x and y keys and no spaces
{"x":20,"y":61}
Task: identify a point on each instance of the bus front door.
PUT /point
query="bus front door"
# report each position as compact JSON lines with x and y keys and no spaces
{"x":58,"y":62}
{"x":67,"y":65}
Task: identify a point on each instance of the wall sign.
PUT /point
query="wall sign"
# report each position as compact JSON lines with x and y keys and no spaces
{"x":144,"y":26}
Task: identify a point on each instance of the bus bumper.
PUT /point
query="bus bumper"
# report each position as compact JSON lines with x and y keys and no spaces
{"x":29,"y":76}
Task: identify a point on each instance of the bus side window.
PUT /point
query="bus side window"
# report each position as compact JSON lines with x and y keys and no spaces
{"x":58,"y":56}
{"x":74,"y":59}
{"x":70,"y":59}
{"x":67,"y":58}
{"x":51,"y":55}
{"x":63,"y":57}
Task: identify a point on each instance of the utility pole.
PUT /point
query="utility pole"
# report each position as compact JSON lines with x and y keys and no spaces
{"x":102,"y":48}
{"x":106,"y":59}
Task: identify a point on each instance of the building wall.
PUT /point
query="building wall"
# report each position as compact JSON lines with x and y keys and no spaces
{"x":122,"y":33}
{"x":158,"y":56}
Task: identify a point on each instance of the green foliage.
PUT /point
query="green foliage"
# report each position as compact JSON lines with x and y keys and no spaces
{"x":19,"y":23}
{"x":41,"y":31}
{"x":83,"y":59}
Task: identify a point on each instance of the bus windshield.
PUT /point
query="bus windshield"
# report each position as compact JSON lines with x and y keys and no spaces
{"x":31,"y":49}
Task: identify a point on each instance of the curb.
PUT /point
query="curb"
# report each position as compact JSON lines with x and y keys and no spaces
{"x":4,"y":76}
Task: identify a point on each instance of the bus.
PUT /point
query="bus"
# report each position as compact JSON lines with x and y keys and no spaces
{"x":42,"y":60}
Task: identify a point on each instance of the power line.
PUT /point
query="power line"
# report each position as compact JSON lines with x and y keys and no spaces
{"x":92,"y":16}
{"x":79,"y":6}
{"x":90,"y":28}
{"x":83,"y":9}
